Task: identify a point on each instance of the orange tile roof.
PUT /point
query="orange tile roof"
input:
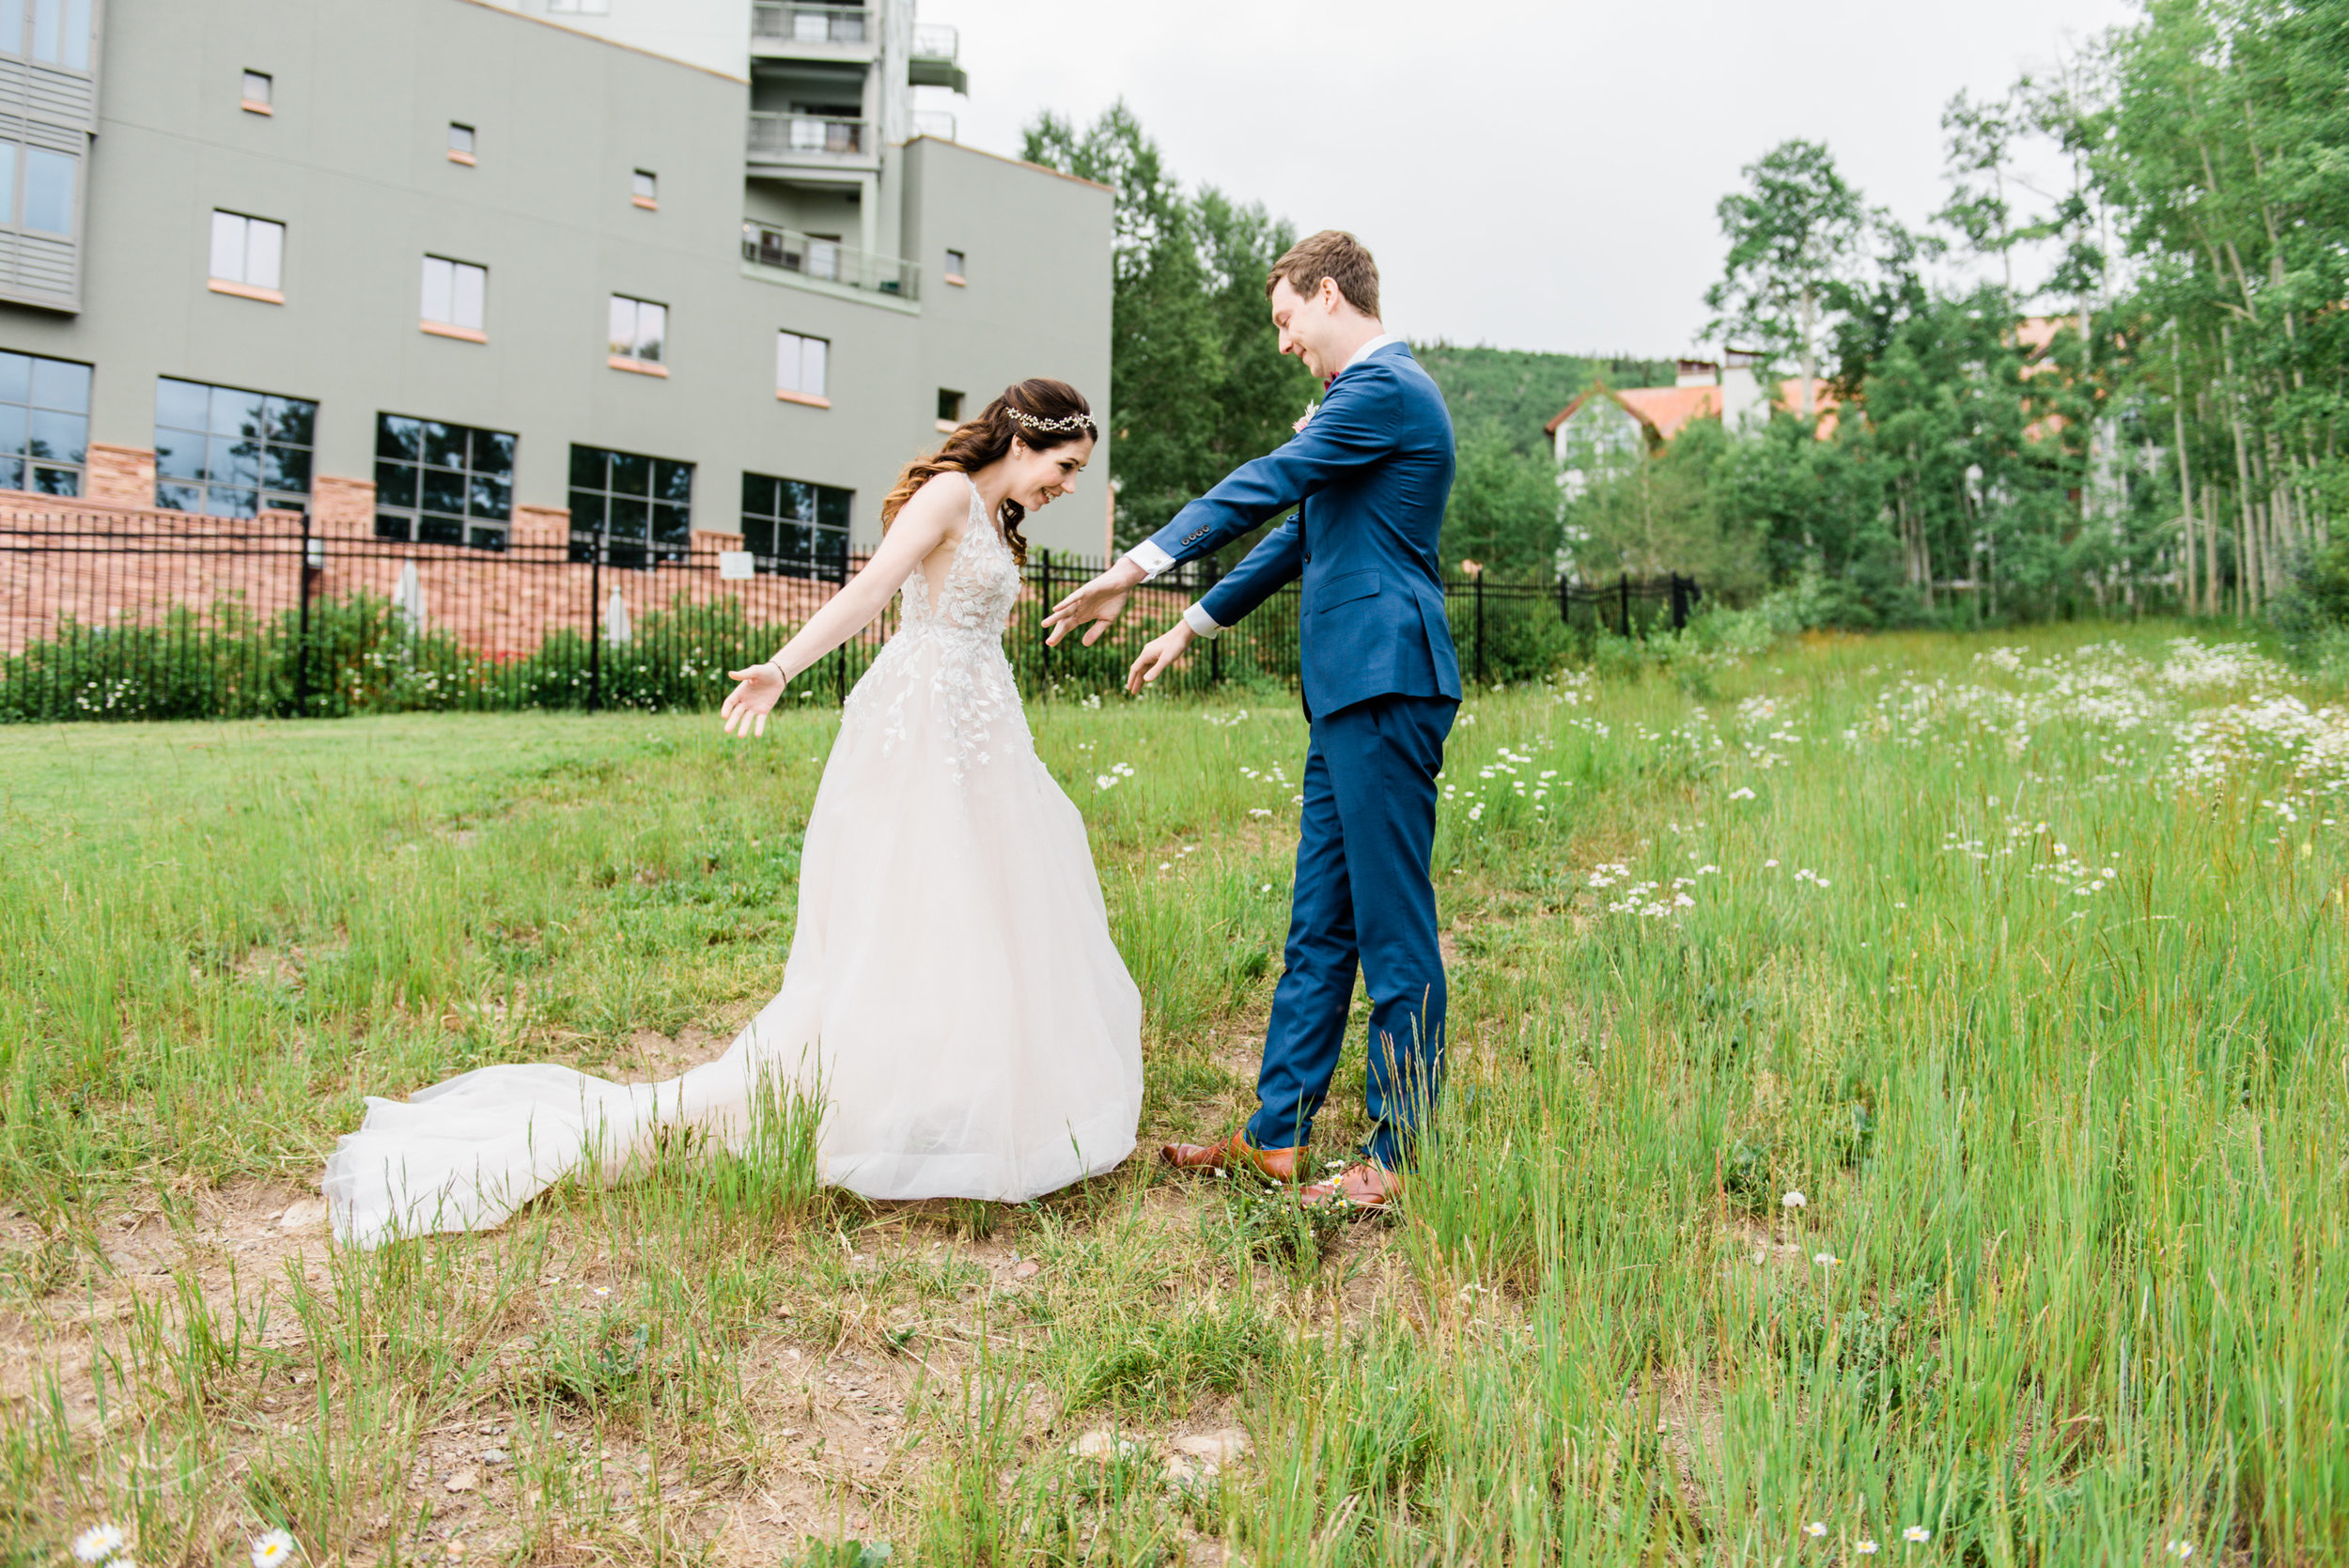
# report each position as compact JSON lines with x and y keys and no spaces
{"x":1665,"y":409}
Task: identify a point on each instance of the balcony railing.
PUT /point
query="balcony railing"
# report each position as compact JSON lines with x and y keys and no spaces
{"x":780,"y":21}
{"x":829,"y":261}
{"x":931,"y":63}
{"x":787,"y":135}
{"x":935,"y":122}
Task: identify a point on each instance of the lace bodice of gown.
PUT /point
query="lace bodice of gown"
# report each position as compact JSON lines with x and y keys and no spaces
{"x":952,"y":650}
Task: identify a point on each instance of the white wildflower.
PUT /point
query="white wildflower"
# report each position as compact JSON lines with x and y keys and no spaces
{"x":99,"y":1543}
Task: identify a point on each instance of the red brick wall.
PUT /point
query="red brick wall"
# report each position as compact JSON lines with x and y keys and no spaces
{"x":121,"y":475}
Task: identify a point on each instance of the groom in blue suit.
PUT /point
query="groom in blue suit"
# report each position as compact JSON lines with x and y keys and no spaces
{"x":1369,"y":472}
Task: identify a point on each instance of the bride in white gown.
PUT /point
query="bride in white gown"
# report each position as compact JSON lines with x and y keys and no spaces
{"x":952,"y":999}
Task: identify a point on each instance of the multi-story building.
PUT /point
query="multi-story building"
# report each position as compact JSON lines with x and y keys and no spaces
{"x":463,"y":272}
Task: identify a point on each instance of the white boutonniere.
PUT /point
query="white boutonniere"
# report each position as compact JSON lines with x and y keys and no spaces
{"x":1306,"y":418}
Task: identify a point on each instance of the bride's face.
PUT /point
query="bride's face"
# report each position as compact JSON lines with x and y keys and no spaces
{"x":1040,"y":477}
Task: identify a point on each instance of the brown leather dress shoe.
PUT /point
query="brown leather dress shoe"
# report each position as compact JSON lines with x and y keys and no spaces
{"x":1365,"y":1188}
{"x":1235,"y":1153}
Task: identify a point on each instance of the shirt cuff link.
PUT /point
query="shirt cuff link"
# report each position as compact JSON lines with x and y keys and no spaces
{"x":1153,"y":561}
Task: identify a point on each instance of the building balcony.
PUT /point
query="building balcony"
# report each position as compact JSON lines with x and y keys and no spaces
{"x":828,"y":261}
{"x":932,"y":63}
{"x":782,"y":140}
{"x":783,"y":30}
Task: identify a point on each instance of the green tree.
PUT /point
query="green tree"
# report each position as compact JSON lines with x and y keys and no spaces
{"x":1503,"y":511}
{"x":1793,"y":234}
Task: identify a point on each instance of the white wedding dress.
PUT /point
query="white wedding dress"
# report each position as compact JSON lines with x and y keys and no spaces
{"x":952,"y":997}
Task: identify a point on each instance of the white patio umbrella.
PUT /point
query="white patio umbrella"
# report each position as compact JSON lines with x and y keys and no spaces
{"x":615,"y":627}
{"x":409,"y":596}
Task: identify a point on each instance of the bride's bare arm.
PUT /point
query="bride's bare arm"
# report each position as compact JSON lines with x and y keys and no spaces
{"x":919,"y":528}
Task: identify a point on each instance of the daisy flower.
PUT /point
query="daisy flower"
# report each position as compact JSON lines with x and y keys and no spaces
{"x":274,"y":1550}
{"x":98,"y":1543}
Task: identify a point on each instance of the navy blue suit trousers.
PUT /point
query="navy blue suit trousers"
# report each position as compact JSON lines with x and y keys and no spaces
{"x":1363,"y":899}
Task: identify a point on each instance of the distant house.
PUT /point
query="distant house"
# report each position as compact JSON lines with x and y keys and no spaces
{"x":1607,"y":424}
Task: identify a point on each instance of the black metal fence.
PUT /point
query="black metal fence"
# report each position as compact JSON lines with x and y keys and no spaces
{"x":159,"y":615}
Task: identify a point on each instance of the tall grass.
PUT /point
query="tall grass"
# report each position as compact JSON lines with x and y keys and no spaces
{"x":2023,"y":965}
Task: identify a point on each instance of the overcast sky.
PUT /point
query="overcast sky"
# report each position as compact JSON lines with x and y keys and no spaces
{"x":1533,"y":176}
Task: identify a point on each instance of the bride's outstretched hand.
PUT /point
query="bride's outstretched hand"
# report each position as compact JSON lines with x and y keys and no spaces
{"x":748,"y":705}
{"x":1100,"y":601}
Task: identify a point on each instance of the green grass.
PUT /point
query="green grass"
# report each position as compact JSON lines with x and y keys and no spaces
{"x":2040,"y":1006}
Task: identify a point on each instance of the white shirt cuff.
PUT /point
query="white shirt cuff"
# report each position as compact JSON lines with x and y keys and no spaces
{"x":1197,"y":618}
{"x":1153,"y":561}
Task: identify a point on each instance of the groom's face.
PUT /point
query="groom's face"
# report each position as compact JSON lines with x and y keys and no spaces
{"x":1306,"y":324}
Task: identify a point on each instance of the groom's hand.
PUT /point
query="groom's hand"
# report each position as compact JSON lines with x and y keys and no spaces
{"x":1156,"y":655}
{"x":1100,"y":601}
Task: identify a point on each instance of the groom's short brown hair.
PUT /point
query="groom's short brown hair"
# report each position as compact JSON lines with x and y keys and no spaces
{"x":1335,"y":255}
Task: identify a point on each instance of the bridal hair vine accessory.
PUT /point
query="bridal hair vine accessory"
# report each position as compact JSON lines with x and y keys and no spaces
{"x":1055,"y":427}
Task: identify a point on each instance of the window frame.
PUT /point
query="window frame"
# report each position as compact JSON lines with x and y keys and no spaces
{"x":953,"y":273}
{"x":266,"y":496}
{"x":634,"y":359}
{"x":612,"y":496}
{"x":796,"y":345}
{"x":644,"y":189}
{"x":262,"y":102}
{"x":70,"y":478}
{"x":272,"y":292}
{"x":490,"y":527}
{"x":470,"y":332}
{"x":463,"y":153}
{"x":825,"y":557}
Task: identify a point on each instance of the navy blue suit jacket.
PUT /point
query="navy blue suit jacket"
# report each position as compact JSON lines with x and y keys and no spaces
{"x":1371,"y":470}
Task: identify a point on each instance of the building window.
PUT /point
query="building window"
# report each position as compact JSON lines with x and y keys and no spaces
{"x":59,"y":31}
{"x":801,"y":366}
{"x":442,"y":484}
{"x":248,"y":256}
{"x":954,"y":268}
{"x":44,"y":423}
{"x":645,"y":189}
{"x":796,"y":529}
{"x":48,"y":185}
{"x":949,"y":409}
{"x":456,"y":296}
{"x":640,"y":509}
{"x":460,"y":143}
{"x":257,"y":89}
{"x":639,"y":335}
{"x":223,"y":452}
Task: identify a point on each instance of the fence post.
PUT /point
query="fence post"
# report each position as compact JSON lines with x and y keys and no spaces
{"x":1566,"y":600}
{"x":1680,"y":604}
{"x":1626,"y":604}
{"x":302,"y":626}
{"x":1478,"y":592}
{"x":1043,"y":593}
{"x":594,"y":624}
{"x":1214,"y":574}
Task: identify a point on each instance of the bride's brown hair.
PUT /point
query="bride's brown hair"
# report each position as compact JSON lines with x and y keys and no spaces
{"x":1041,"y":411}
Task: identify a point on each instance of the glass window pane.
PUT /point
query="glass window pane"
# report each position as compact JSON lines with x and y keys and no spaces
{"x":56,"y":481}
{"x":178,"y":454}
{"x":493,"y":497}
{"x":222,"y":501}
{"x":61,"y":436}
{"x":182,"y":405}
{"x":7,"y":170}
{"x":460,"y":137}
{"x":180,"y":498}
{"x":587,"y":467}
{"x":645,"y":185}
{"x":788,"y":361}
{"x":473,"y":285}
{"x":631,"y":475}
{"x":799,"y":500}
{"x":291,"y":420}
{"x":234,"y":459}
{"x":395,"y":484}
{"x":12,"y":431}
{"x":444,"y":444}
{"x":493,"y":452}
{"x":673,"y":481}
{"x":235,"y":412}
{"x":623,"y":334}
{"x":758,"y":495}
{"x":48,"y":190}
{"x":758,"y":536}
{"x":264,"y":252}
{"x":652,"y":331}
{"x":440,"y":531}
{"x":256,"y":88}
{"x":397,"y":436}
{"x":440,"y":290}
{"x":390,"y":525}
{"x":671,"y":525}
{"x":16,"y":378}
{"x":630,"y":518}
{"x":228,"y":247}
{"x":47,"y":17}
{"x":12,"y":35}
{"x":812,"y":367}
{"x":485,"y":539}
{"x":791,"y":541}
{"x":61,"y":384}
{"x":443,"y":492}
{"x":286,"y":468}
{"x":832,"y":506}
{"x":75,"y":55}
{"x":586,"y":511}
